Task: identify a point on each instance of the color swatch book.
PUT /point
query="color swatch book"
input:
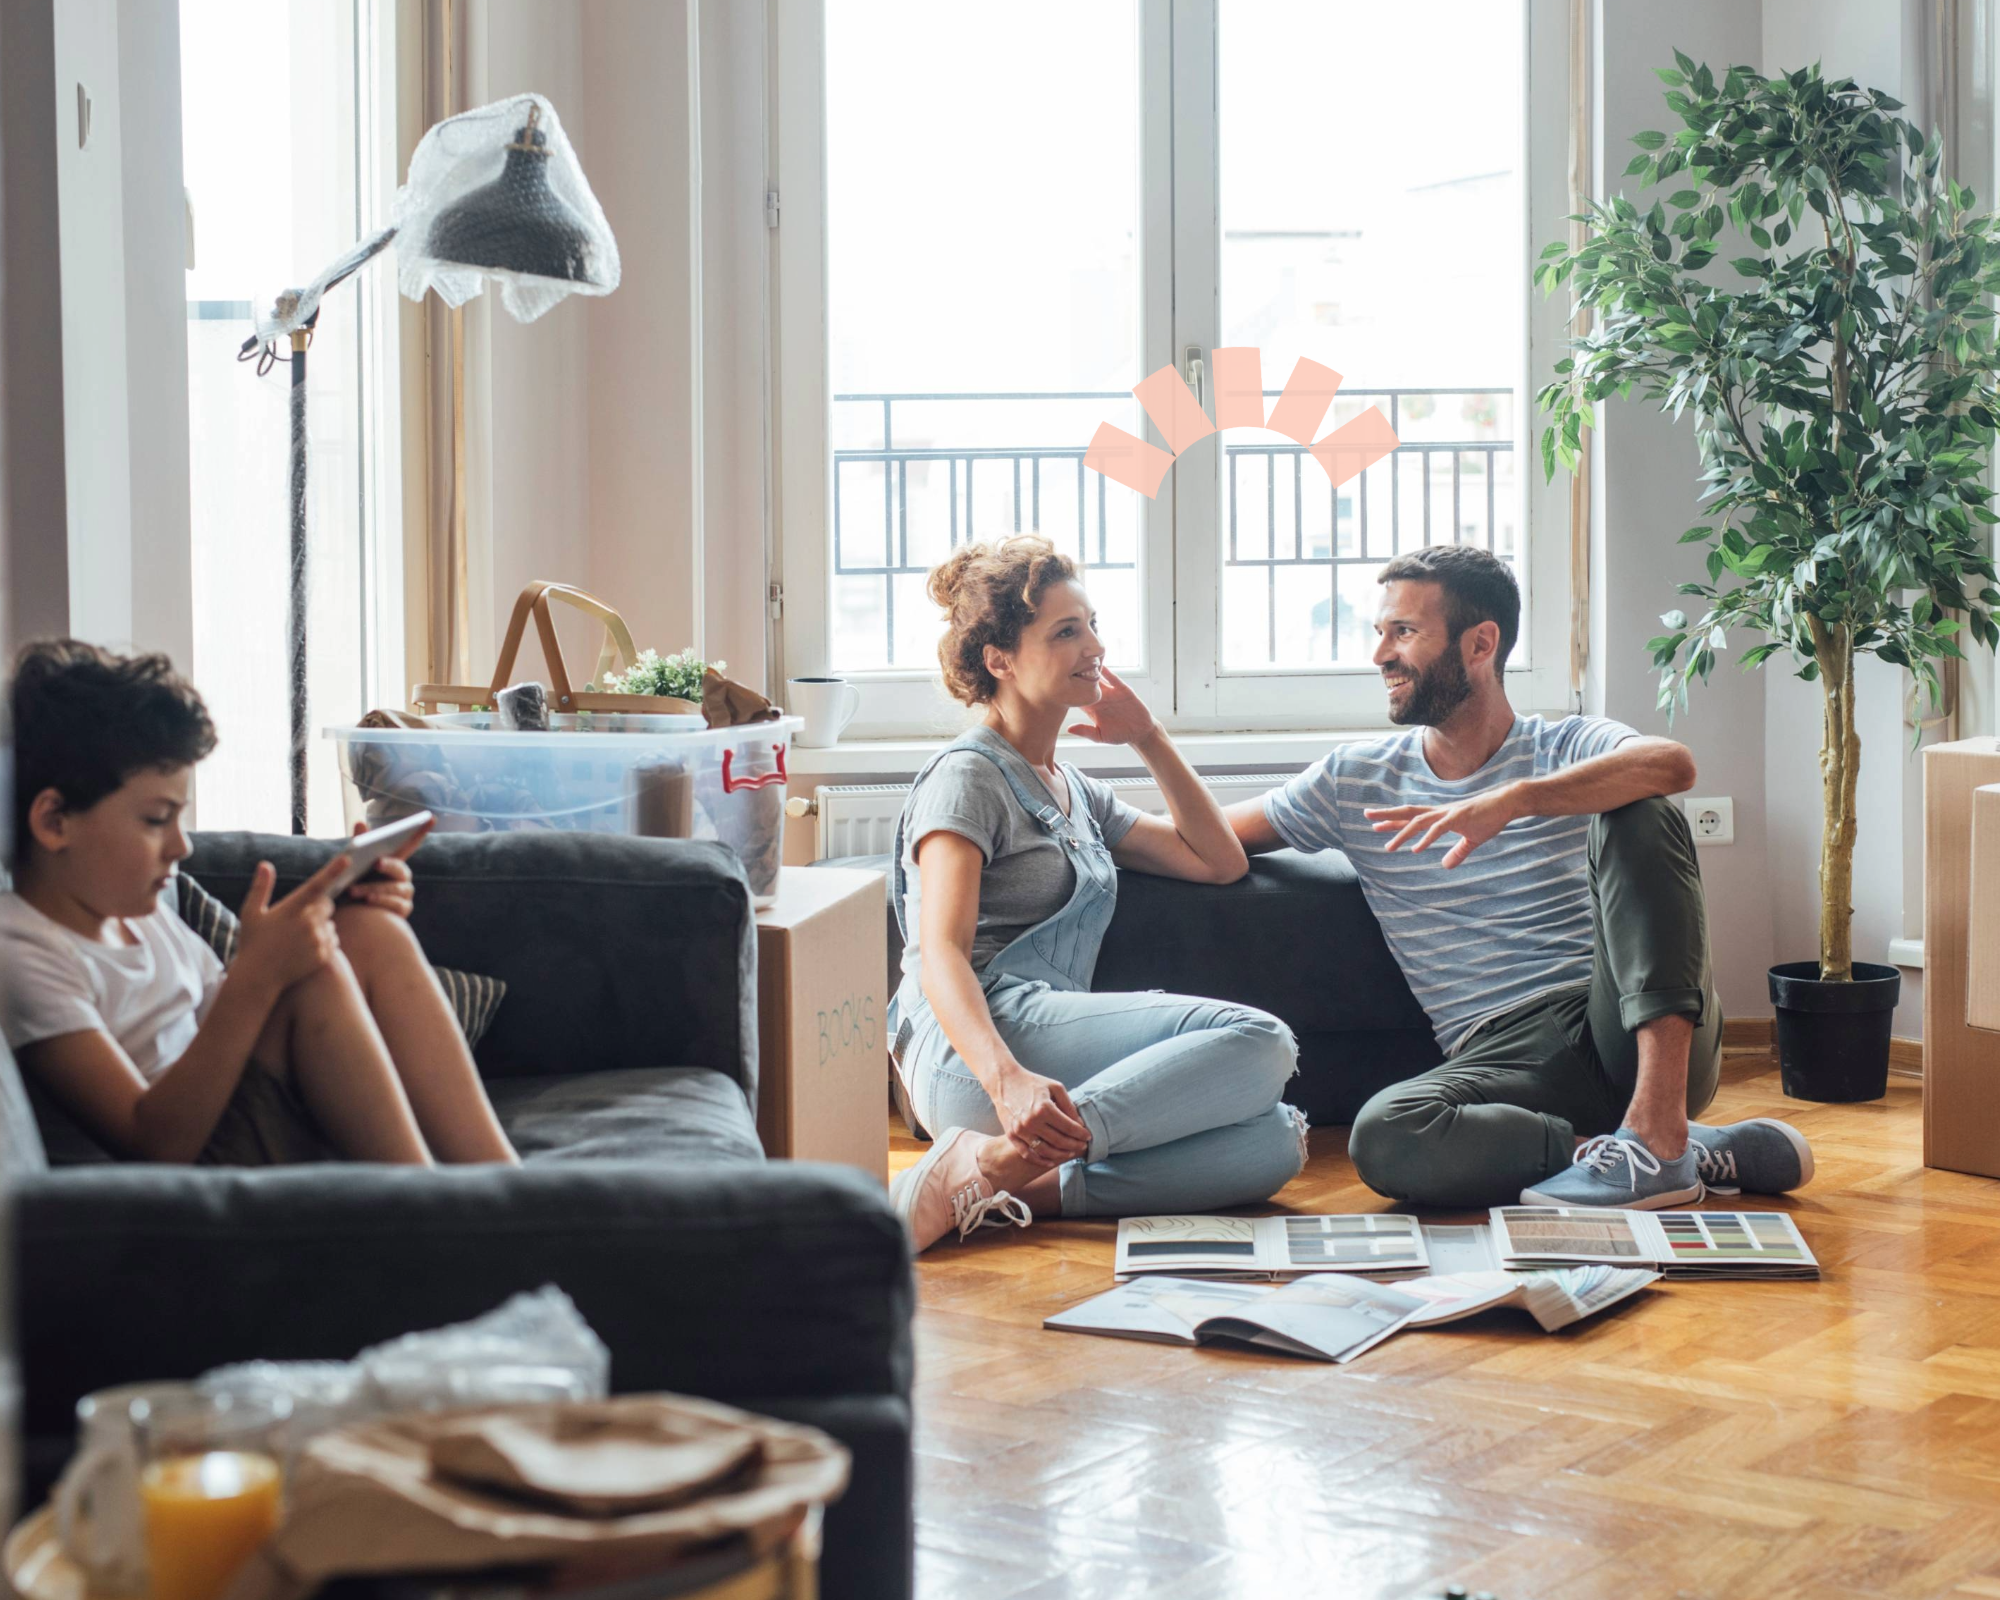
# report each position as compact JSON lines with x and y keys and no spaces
{"x":1331,"y":1318}
{"x":1268,"y":1247}
{"x":1681,"y":1244}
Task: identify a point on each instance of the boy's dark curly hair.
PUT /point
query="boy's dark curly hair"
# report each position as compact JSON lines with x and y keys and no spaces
{"x":85,"y":720}
{"x":989,"y":593}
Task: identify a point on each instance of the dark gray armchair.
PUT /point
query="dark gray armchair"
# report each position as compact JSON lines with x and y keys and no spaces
{"x":623,"y":1061}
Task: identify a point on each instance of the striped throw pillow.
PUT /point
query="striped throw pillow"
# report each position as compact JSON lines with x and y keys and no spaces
{"x":474,"y":997}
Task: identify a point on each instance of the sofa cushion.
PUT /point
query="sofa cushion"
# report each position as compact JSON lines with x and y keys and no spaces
{"x":670,"y":1114}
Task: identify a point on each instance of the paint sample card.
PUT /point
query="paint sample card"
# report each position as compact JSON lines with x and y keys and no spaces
{"x":1682,"y":1244}
{"x":1750,"y":1243}
{"x":1353,"y":1244}
{"x":1532,"y":1235}
{"x":1457,"y":1248}
{"x":1271,"y":1246}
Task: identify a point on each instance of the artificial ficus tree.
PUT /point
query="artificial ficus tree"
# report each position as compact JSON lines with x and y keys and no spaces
{"x":1842,"y":381}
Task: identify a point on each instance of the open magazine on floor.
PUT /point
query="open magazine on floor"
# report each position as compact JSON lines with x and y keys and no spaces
{"x":1553,"y":1299}
{"x":1681,"y":1244}
{"x":1337,"y":1318}
{"x":1266,"y":1247}
{"x":1332,"y":1318}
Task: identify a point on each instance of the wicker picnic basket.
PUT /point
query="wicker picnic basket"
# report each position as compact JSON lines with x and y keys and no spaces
{"x":430,"y":698}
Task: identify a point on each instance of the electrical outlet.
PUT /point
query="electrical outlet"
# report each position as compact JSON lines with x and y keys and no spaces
{"x":1711,"y":820}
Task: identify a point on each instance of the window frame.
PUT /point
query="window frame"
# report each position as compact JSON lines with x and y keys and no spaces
{"x":1183,"y":681}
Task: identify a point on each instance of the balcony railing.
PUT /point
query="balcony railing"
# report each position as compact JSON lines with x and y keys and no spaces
{"x":1314,"y":526}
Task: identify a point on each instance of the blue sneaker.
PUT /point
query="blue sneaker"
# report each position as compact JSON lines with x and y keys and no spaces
{"x":1616,"y":1169}
{"x":1763,"y":1155}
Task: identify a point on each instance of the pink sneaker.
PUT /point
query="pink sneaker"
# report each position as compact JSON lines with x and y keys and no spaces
{"x":945,"y":1191}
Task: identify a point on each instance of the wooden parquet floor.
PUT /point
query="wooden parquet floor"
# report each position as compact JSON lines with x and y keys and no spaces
{"x":1839,"y":1438}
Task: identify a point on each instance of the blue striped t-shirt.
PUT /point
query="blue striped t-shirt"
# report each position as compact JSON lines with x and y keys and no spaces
{"x":1512,"y":920}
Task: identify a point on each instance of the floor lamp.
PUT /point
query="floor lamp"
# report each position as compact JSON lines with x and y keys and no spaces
{"x":534,"y":226}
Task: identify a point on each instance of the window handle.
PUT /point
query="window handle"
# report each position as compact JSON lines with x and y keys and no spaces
{"x":1197,"y":375}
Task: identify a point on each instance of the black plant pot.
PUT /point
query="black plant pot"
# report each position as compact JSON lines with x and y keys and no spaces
{"x":1833,"y":1038}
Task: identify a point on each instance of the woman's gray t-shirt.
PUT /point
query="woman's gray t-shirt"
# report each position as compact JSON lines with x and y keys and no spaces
{"x":1028,"y":877}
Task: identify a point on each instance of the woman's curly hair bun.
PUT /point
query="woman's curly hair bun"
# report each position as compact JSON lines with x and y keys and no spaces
{"x":989,"y":593}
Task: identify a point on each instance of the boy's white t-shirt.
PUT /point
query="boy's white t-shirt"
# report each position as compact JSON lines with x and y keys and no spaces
{"x":149,"y":995}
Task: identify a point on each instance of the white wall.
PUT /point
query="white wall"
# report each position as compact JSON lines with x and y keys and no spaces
{"x":1648,"y":467}
{"x":735,"y":261}
{"x":528,"y":480}
{"x":617,"y":443}
{"x":36,"y":580}
{"x":645,"y":368}
{"x":91,"y":232}
{"x":120,"y":230}
{"x":156,"y":349}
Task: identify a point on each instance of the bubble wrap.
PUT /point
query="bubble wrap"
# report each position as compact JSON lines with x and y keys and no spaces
{"x":458,"y":158}
{"x":470,"y":151}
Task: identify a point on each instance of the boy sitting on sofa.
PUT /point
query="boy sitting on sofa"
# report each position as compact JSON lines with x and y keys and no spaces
{"x":326,"y":1037}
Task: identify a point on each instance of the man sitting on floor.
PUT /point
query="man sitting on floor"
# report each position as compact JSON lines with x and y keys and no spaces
{"x":1559,"y":945}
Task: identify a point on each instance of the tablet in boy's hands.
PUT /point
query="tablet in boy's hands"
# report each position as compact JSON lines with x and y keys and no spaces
{"x":365,"y":849}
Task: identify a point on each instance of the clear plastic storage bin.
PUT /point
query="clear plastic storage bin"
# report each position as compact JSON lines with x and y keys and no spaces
{"x":659,"y":777}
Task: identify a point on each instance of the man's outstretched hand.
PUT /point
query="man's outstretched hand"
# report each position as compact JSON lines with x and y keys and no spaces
{"x":1474,"y":820}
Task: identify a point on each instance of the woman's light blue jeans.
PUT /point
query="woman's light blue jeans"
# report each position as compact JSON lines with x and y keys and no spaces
{"x":1181,"y":1096}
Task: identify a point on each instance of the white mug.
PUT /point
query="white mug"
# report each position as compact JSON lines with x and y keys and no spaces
{"x":827,"y":704}
{"x":97,"y":1500}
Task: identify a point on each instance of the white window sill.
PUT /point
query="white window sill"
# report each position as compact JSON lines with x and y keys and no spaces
{"x":867,"y":757}
{"x":1907,"y":953}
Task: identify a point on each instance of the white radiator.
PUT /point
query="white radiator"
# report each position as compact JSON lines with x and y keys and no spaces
{"x":859,"y":819}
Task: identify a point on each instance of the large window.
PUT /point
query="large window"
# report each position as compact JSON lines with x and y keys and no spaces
{"x":1029,"y":209}
{"x":287,"y":142}
{"x":984,"y":294}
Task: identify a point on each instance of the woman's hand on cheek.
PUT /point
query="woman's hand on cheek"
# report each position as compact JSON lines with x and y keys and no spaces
{"x":1118,"y":717}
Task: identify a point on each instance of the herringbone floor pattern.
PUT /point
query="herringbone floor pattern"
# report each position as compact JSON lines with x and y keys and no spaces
{"x":1712,"y":1440}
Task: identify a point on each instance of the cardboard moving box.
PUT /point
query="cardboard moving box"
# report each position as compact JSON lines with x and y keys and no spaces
{"x":1982,"y":955}
{"x":821,"y":1019}
{"x":1961,"y":1061}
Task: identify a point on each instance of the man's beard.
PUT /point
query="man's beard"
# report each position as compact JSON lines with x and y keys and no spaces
{"x":1435,"y":693}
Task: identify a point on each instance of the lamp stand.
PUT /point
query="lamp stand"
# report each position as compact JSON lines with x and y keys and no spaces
{"x":295,"y":624}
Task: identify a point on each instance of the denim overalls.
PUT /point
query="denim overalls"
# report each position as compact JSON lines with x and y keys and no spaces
{"x":1181,"y":1095}
{"x":1061,"y":952}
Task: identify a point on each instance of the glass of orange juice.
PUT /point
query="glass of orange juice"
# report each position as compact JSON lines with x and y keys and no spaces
{"x":209,"y":1487}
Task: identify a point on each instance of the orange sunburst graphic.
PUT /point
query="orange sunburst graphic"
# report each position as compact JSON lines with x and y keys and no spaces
{"x":1349,"y":450}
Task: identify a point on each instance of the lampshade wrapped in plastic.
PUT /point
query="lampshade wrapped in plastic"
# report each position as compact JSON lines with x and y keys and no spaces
{"x":494,"y":192}
{"x":497,"y":193}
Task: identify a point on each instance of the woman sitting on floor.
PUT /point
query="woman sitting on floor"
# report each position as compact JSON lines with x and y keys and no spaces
{"x":1051,"y":1100}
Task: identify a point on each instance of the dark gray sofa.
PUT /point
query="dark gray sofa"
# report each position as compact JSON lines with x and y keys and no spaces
{"x":623,"y":1061}
{"x":1294,"y":938}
